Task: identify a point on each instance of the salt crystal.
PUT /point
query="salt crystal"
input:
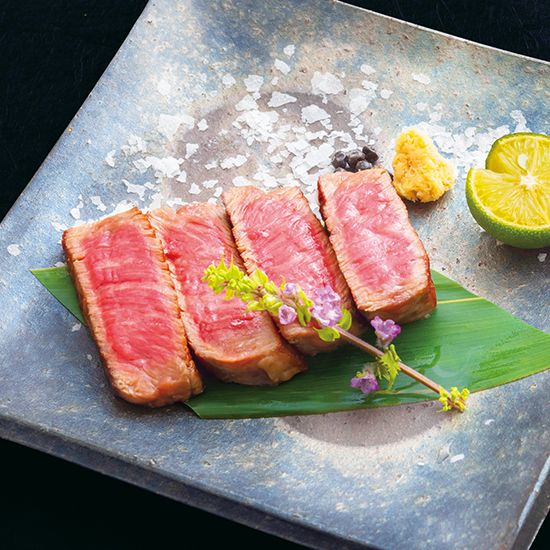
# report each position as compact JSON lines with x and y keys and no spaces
{"x":253,"y":83}
{"x":59,"y":226}
{"x":191,"y":149}
{"x":240,"y":181}
{"x":232,"y":162}
{"x":278,"y":99}
{"x":60,"y":264}
{"x":211,"y":165}
{"x":421,"y":106}
{"x":367,"y":69}
{"x":542,"y":256}
{"x":202,"y":125}
{"x":490,"y":421}
{"x":76,"y":327}
{"x":313,"y":113}
{"x":218,"y":191}
{"x":135,"y":145}
{"x":194,"y":189}
{"x":14,"y":250}
{"x":132,"y":188}
{"x":168,"y":124}
{"x":212,"y":200}
{"x":275,"y":81}
{"x":422,"y":78}
{"x":89,"y":357}
{"x":289,"y":50}
{"x":247,"y":103}
{"x":385,"y":94}
{"x":359,"y":100}
{"x":156,"y":201}
{"x":175,"y":201}
{"x":518,"y":117}
{"x":96,"y":201}
{"x":109,"y":159}
{"x":456,"y":458}
{"x":282,"y":66}
{"x":209,"y":183}
{"x":163,"y":87}
{"x":322,"y":84}
{"x":228,"y":80}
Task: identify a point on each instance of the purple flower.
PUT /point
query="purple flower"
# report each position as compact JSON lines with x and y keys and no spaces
{"x":291,"y":289}
{"x":366,"y":382}
{"x":326,"y":294}
{"x":287,"y":315}
{"x":328,"y":313}
{"x":386,"y":331}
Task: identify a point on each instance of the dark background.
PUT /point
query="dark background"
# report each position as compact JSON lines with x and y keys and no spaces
{"x":51,"y":55}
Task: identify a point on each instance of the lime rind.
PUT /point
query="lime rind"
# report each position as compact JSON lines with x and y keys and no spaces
{"x":494,"y":210}
{"x":521,"y":154}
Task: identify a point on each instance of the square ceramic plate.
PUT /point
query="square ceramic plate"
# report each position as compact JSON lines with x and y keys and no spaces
{"x":206,"y":95}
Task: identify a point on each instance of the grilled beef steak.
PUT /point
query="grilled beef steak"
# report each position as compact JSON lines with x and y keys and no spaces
{"x":379,"y":252}
{"x":235,"y":346}
{"x":130,"y":304}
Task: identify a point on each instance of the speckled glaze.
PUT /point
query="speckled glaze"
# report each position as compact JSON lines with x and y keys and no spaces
{"x":402,"y":477}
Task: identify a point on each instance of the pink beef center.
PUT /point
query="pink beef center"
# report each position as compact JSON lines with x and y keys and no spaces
{"x":376,"y":236}
{"x":209,"y":312}
{"x":287,"y":243}
{"x":128,"y":292}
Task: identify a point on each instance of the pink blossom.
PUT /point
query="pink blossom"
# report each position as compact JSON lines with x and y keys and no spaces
{"x":287,"y":315}
{"x":328,"y":314}
{"x":326,"y":294}
{"x":386,"y":331}
{"x":366,"y":383}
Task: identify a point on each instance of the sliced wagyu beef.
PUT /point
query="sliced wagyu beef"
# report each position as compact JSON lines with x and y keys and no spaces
{"x":130,"y":304}
{"x":235,"y":346}
{"x":379,"y":252}
{"x":278,"y":233}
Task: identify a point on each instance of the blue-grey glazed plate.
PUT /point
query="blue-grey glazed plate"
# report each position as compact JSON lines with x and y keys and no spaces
{"x":206,"y":95}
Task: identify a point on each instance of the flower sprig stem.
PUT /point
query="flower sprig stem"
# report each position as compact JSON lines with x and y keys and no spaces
{"x":289,"y":303}
{"x":458,"y":404}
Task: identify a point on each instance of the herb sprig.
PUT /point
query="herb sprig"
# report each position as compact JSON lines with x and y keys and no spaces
{"x":326,"y":315}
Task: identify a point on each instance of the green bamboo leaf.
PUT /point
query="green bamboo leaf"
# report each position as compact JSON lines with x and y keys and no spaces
{"x":58,"y":281}
{"x":466,"y":342}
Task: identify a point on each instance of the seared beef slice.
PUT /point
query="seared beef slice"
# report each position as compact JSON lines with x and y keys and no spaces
{"x":235,"y":346}
{"x":130,"y":304}
{"x":278,"y":233}
{"x":379,"y":252}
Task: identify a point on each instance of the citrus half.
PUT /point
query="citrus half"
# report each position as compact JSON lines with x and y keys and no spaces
{"x":510,"y":198}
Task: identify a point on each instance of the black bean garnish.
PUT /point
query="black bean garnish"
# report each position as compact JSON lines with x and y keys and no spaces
{"x":370,"y":155}
{"x":363,"y":165}
{"x":339,"y":160}
{"x":354,"y":157}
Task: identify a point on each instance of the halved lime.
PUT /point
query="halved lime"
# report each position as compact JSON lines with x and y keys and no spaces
{"x":510,"y":198}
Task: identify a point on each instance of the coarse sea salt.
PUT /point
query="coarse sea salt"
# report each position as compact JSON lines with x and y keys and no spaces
{"x":228,"y":80}
{"x":246,"y":103}
{"x":14,"y":249}
{"x":253,"y":83}
{"x":422,"y":78}
{"x":282,"y":66}
{"x":110,"y":159}
{"x":325,"y":84}
{"x":367,"y":69}
{"x":278,"y":99}
{"x":289,"y":50}
{"x":168,"y":125}
{"x":164,"y":88}
{"x":194,"y":189}
{"x":542,"y":256}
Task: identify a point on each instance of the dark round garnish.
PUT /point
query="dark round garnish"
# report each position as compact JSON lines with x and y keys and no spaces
{"x":354,"y":157}
{"x":339,"y":160}
{"x":370,"y":155}
{"x":363,"y":165}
